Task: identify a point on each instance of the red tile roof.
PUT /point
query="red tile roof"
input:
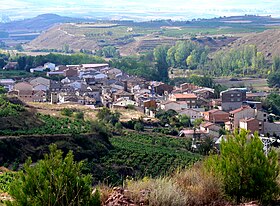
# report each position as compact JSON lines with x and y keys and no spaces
{"x":185,"y":96}
{"x":240,"y":109}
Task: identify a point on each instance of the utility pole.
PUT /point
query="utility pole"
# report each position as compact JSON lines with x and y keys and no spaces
{"x":267,"y":142}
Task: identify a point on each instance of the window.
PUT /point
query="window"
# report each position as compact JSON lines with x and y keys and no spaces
{"x":264,"y":115}
{"x":231,"y":95}
{"x":264,"y":120}
{"x":232,"y":100}
{"x":238,"y":99}
{"x":238,"y":95}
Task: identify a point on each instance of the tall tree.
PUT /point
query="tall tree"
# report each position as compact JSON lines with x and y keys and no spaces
{"x":160,"y":54}
{"x":245,"y":170}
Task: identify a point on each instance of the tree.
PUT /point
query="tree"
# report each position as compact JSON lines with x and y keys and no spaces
{"x":55,"y":181}
{"x":273,"y":79}
{"x":185,"y":120}
{"x":160,"y":55}
{"x":244,"y":169}
{"x":276,"y":63}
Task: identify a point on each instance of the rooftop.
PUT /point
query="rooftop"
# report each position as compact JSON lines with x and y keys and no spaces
{"x":185,"y":96}
{"x":240,"y":109}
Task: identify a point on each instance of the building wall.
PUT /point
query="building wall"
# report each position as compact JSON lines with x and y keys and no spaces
{"x":246,"y":113}
{"x":232,"y":100}
{"x":252,"y":125}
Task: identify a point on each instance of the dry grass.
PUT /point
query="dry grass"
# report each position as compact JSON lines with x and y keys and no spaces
{"x":199,"y":187}
{"x":156,"y":192}
{"x":192,"y":187}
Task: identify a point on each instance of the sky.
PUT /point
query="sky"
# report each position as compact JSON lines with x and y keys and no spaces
{"x":142,"y":9}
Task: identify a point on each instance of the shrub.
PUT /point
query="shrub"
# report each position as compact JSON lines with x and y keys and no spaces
{"x":79,"y":115}
{"x":245,"y":170}
{"x":53,"y":181}
{"x":67,"y":112}
{"x":138,"y":126}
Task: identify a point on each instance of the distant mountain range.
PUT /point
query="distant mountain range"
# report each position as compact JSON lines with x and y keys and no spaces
{"x":38,"y":23}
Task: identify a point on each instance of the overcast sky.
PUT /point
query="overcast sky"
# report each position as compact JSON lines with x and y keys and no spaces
{"x":17,"y":9}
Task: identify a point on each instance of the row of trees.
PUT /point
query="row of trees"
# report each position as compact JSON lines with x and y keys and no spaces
{"x":245,"y":60}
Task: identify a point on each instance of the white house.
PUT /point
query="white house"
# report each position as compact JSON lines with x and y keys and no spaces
{"x":50,"y":66}
{"x":192,"y":113}
{"x":124,"y":102}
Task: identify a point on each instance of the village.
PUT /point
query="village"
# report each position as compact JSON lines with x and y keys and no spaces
{"x":98,"y":85}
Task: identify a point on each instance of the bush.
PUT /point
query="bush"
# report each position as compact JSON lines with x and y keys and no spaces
{"x":67,"y":112}
{"x":245,"y":170}
{"x":138,"y":126}
{"x":53,"y":181}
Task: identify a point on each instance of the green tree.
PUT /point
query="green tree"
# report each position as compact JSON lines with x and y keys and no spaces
{"x":185,"y":120}
{"x":160,"y":55}
{"x":273,"y":79}
{"x":55,"y":181}
{"x":275,"y":63}
{"x":244,"y":169}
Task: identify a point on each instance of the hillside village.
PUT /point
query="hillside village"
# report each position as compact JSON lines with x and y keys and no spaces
{"x":97,"y":85}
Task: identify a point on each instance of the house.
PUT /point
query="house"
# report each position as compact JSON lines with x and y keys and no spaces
{"x":122,"y":93}
{"x":192,"y":113}
{"x":39,"y":96}
{"x":161,"y":88}
{"x":188,"y":87}
{"x":233,"y":98}
{"x":8,"y":84}
{"x":50,"y":66}
{"x":189,"y":98}
{"x":236,"y":115}
{"x":251,"y":124}
{"x":40,"y":80}
{"x":11,"y":66}
{"x":206,"y":93}
{"x":25,"y":95}
{"x":91,"y":92}
{"x":170,"y":105}
{"x":37,"y":69}
{"x":216,"y":116}
{"x":123,"y":103}
{"x":55,"y":86}
{"x":23,"y":86}
{"x":211,"y":129}
{"x":70,"y":72}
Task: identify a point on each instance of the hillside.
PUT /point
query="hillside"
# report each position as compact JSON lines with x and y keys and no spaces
{"x":267,"y":42}
{"x":139,"y":39}
{"x":15,"y":115}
